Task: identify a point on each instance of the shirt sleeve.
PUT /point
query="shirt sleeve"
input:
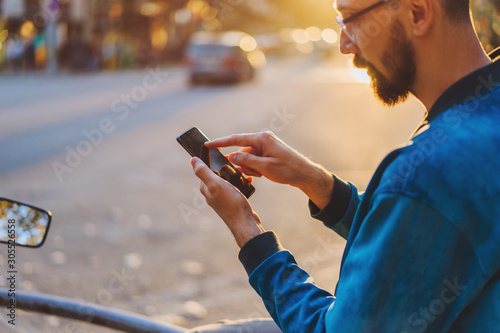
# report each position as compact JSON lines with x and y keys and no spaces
{"x":408,"y":270}
{"x":339,"y":213}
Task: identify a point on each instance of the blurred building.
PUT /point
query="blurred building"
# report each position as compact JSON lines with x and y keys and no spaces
{"x":123,"y":33}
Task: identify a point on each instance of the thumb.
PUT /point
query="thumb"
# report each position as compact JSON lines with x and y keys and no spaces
{"x":202,"y":171}
{"x":210,"y":182}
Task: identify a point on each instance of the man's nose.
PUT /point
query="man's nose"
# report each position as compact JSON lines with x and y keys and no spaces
{"x":347,"y":46}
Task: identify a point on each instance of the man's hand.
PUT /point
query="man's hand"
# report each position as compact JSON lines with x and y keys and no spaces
{"x":263,"y":154}
{"x":229,"y":203}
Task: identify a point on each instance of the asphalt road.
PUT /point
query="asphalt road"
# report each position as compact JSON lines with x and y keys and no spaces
{"x":130,"y":230}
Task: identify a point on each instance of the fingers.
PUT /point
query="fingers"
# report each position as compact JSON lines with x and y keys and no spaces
{"x":249,"y":172}
{"x":245,"y":170}
{"x":253,"y":165}
{"x":249,"y":150}
{"x":240,"y":140}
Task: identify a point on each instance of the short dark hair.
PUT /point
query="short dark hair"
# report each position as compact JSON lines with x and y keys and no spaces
{"x":457,"y":11}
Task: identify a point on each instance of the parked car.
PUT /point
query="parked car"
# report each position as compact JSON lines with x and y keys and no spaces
{"x":226,"y":56}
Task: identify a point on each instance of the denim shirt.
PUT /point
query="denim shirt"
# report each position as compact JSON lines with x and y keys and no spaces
{"x":423,"y":242}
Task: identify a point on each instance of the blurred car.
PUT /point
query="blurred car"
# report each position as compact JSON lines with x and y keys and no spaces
{"x":222,"y":57}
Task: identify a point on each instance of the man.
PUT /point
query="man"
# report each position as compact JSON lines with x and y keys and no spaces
{"x":423,"y":242}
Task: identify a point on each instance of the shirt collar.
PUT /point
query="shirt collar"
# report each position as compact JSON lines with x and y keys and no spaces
{"x":471,"y":85}
{"x":474,"y":84}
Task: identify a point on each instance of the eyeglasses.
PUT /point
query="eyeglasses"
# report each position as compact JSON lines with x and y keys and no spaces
{"x":344,"y":23}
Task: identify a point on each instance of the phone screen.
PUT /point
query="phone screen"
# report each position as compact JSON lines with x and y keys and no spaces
{"x":193,"y":140}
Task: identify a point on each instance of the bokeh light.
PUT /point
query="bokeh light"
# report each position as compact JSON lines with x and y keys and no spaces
{"x":257,"y":58}
{"x":248,"y":43}
{"x":300,"y":36}
{"x":159,"y":39}
{"x":330,"y":36}
{"x":182,"y":16}
{"x":27,"y":30}
{"x":314,"y":34}
{"x":196,"y":6}
{"x":150,"y":9}
{"x":3,"y":35}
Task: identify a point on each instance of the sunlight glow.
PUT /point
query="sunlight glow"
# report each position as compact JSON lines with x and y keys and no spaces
{"x":361,"y":75}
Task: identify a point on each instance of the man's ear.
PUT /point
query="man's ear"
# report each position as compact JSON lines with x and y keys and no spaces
{"x":423,"y":13}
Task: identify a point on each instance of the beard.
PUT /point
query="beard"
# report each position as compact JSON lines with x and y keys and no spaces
{"x":400,"y":60}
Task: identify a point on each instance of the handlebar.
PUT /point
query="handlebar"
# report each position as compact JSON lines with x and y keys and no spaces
{"x":86,"y":312}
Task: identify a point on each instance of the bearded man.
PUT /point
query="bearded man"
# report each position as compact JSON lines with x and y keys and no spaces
{"x":423,"y":241}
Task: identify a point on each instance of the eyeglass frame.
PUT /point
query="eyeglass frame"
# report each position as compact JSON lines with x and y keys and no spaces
{"x":342,"y":22}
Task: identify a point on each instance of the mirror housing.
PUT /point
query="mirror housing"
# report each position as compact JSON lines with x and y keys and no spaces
{"x":26,"y":225}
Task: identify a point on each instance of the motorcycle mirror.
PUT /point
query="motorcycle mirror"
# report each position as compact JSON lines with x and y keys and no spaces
{"x":22,"y":224}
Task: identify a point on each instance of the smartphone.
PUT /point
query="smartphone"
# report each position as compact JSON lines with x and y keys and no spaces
{"x":193,"y":141}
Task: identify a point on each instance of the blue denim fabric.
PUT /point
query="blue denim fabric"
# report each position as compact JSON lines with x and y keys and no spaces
{"x":423,"y":247}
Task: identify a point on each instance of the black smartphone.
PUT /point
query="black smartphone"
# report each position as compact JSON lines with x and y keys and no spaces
{"x":193,"y":141}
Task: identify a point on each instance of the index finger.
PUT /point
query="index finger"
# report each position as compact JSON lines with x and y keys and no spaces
{"x":235,"y":140}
